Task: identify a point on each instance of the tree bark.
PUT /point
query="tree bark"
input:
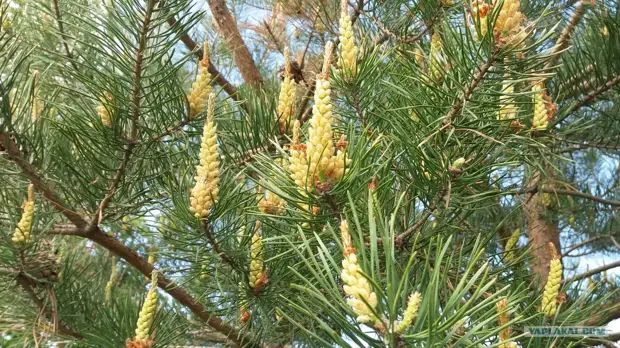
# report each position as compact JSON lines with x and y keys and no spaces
{"x":541,"y":230}
{"x":227,"y":27}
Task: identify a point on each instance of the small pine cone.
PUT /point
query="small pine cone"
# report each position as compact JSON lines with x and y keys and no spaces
{"x":271,"y":204}
{"x":437,"y":58}
{"x":138,"y":344}
{"x":510,"y":245}
{"x":507,"y":108}
{"x":479,"y":13}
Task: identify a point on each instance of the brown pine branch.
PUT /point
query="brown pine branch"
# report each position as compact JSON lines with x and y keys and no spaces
{"x":215,"y":244}
{"x":198,"y":52}
{"x":227,"y":27}
{"x":588,"y":241}
{"x":63,"y":36}
{"x":400,"y":240}
{"x":566,"y":35}
{"x":462,"y":99}
{"x":114,"y":245}
{"x":592,"y":272}
{"x":575,"y":194}
{"x":592,"y":96}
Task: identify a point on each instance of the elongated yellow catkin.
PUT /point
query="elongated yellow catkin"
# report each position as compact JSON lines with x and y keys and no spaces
{"x":21,"y":235}
{"x":507,"y":107}
{"x":540,"y":120}
{"x":271,"y":204}
{"x":436,"y":56}
{"x":320,"y":145}
{"x":257,"y":267}
{"x":201,"y":88}
{"x":503,"y":317}
{"x":205,"y":191}
{"x":287,"y":98}
{"x":347,"y":48}
{"x":410,"y":313}
{"x":147,"y":314}
{"x":356,"y":286}
{"x":510,"y":245}
{"x":552,"y":288}
{"x":111,"y":282}
{"x":102,"y":110}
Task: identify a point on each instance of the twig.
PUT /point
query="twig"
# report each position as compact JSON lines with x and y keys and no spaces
{"x":582,"y":195}
{"x":399,"y":240}
{"x":63,"y":35}
{"x":565,"y":37}
{"x":198,"y":52}
{"x":585,"y":242}
{"x":215,"y":244}
{"x":592,"y":272}
{"x":590,"y":97}
{"x":478,"y":76}
{"x":227,"y":26}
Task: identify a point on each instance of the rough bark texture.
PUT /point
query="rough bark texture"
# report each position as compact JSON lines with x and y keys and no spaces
{"x":227,"y":27}
{"x":540,"y":230}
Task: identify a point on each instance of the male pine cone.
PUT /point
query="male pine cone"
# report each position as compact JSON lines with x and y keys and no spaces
{"x":348,"y":50}
{"x":288,"y":91}
{"x":205,"y":191}
{"x":147,"y":314}
{"x":21,"y":235}
{"x":552,"y":288}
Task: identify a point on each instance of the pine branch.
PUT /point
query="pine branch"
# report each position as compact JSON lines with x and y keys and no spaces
{"x":63,"y":35}
{"x":564,"y":40}
{"x":227,"y":26}
{"x":576,"y":194}
{"x":478,"y":76}
{"x":399,"y":240}
{"x":114,"y":245}
{"x":588,"y":241}
{"x":214,"y":243}
{"x":592,"y":96}
{"x":592,"y":272}
{"x":198,"y":52}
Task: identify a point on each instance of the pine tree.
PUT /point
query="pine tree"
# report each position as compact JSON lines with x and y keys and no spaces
{"x":308,"y":173}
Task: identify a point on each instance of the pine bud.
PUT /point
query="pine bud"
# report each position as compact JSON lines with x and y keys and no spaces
{"x":102,"y":110}
{"x":147,"y":314}
{"x":201,"y":88}
{"x":347,"y":48}
{"x":205,"y":192}
{"x":258,"y":277}
{"x":288,"y":91}
{"x":21,"y":235}
{"x":356,"y":286}
{"x":410,"y":313}
{"x":510,"y":245}
{"x":552,"y":288}
{"x":151,"y":258}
